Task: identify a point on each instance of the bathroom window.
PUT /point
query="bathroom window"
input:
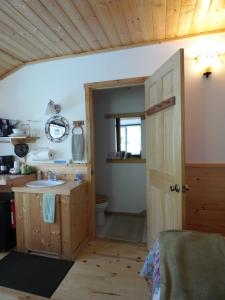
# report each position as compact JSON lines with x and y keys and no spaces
{"x":128,"y":135}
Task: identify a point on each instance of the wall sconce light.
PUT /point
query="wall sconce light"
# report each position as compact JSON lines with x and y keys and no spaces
{"x":206,"y":63}
{"x":52,"y":108}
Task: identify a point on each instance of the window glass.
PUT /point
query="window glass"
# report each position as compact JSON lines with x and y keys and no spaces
{"x":130,"y":135}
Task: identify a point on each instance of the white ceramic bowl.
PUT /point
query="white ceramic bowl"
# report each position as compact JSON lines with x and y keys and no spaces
{"x":18,"y":131}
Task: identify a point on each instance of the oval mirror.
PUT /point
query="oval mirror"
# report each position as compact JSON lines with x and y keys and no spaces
{"x":57,"y":129}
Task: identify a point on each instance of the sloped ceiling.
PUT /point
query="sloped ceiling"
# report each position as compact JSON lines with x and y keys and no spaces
{"x":33,"y":30}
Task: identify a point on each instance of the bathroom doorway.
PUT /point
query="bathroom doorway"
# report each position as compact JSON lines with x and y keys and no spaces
{"x":117,"y":169}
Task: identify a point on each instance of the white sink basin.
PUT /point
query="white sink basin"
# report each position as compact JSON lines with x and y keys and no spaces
{"x":44,"y":183}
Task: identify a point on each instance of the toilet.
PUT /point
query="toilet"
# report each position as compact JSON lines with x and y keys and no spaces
{"x":101,"y":204}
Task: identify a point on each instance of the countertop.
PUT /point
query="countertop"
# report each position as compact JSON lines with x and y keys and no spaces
{"x":63,"y":189}
{"x":11,"y":180}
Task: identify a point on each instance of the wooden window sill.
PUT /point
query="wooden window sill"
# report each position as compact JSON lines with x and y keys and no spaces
{"x":126,"y":161}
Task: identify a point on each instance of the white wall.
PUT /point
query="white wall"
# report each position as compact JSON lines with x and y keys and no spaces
{"x":24,"y":94}
{"x":124,"y":184}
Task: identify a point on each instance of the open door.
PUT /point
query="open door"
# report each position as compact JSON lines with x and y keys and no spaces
{"x":165,"y":146}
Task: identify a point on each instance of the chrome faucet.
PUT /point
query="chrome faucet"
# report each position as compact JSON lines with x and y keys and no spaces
{"x":51,"y":175}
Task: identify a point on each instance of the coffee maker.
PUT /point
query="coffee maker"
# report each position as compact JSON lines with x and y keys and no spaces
{"x":6,"y":163}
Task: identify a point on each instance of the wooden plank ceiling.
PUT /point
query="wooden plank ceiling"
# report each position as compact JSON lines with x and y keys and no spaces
{"x":33,"y":30}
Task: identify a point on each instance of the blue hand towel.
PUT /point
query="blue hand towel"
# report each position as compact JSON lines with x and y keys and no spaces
{"x":48,"y":208}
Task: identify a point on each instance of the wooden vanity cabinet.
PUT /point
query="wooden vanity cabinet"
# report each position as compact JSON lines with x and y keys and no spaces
{"x":32,"y":233}
{"x":65,"y":236}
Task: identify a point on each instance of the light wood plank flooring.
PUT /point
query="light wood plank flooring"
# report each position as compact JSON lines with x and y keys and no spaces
{"x":105,"y":270}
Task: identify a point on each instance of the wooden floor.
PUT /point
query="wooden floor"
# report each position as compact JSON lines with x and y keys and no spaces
{"x":105,"y":270}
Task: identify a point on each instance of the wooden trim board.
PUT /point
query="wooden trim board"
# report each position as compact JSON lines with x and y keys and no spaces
{"x":126,"y":161}
{"x":161,"y":106}
{"x":116,"y":83}
{"x":126,"y":115}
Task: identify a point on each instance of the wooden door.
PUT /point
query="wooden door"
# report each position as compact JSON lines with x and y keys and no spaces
{"x":164,"y":153}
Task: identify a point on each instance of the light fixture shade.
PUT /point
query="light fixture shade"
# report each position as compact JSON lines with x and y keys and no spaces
{"x":52,"y":108}
{"x":206,"y":63}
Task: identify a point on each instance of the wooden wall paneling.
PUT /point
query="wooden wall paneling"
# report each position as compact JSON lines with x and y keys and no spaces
{"x":66,"y":23}
{"x":63,"y":171}
{"x":78,"y":21}
{"x":172,"y":17}
{"x":39,"y":24}
{"x":17,"y":47}
{"x":5,"y":65}
{"x":120,"y":24}
{"x":205,"y":200}
{"x":9,"y":59}
{"x":145,"y":12}
{"x":21,"y":181}
{"x":10,"y":47}
{"x":88,"y":15}
{"x":55,"y":26}
{"x":11,"y":71}
{"x":24,"y":44}
{"x":215,"y":12}
{"x":186,"y":17}
{"x":133,"y":20}
{"x":200,"y":16}
{"x":3,"y":70}
{"x":104,"y":17}
{"x":28,"y":28}
{"x":13,"y":29}
{"x":219,"y":16}
{"x":66,"y":28}
{"x":158,"y":19}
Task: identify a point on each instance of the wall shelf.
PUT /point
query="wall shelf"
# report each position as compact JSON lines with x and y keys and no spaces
{"x":126,"y":161}
{"x":18,"y":140}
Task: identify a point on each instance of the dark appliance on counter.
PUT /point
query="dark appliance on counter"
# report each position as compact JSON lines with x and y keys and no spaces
{"x":5,"y":127}
{"x":6,"y":163}
{"x":7,"y":224}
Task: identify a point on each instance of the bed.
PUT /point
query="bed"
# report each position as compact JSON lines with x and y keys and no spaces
{"x":186,"y":265}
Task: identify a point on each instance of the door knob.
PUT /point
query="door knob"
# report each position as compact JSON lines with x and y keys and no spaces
{"x":185,"y":188}
{"x":175,"y":188}
{"x":172,"y":188}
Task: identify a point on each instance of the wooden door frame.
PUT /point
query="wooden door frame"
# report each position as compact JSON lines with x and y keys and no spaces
{"x":89,"y":88}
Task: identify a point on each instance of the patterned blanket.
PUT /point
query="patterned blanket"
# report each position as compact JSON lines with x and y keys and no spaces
{"x":151,"y":271}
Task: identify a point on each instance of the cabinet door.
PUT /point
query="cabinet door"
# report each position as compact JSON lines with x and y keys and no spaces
{"x":38,"y":235}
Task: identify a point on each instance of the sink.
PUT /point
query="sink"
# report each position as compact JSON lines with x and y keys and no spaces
{"x":44,"y":183}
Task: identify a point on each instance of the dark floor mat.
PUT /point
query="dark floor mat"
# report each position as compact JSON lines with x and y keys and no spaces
{"x":32,"y":273}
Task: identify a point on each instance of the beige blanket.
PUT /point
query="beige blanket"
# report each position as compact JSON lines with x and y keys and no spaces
{"x":192,"y":266}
